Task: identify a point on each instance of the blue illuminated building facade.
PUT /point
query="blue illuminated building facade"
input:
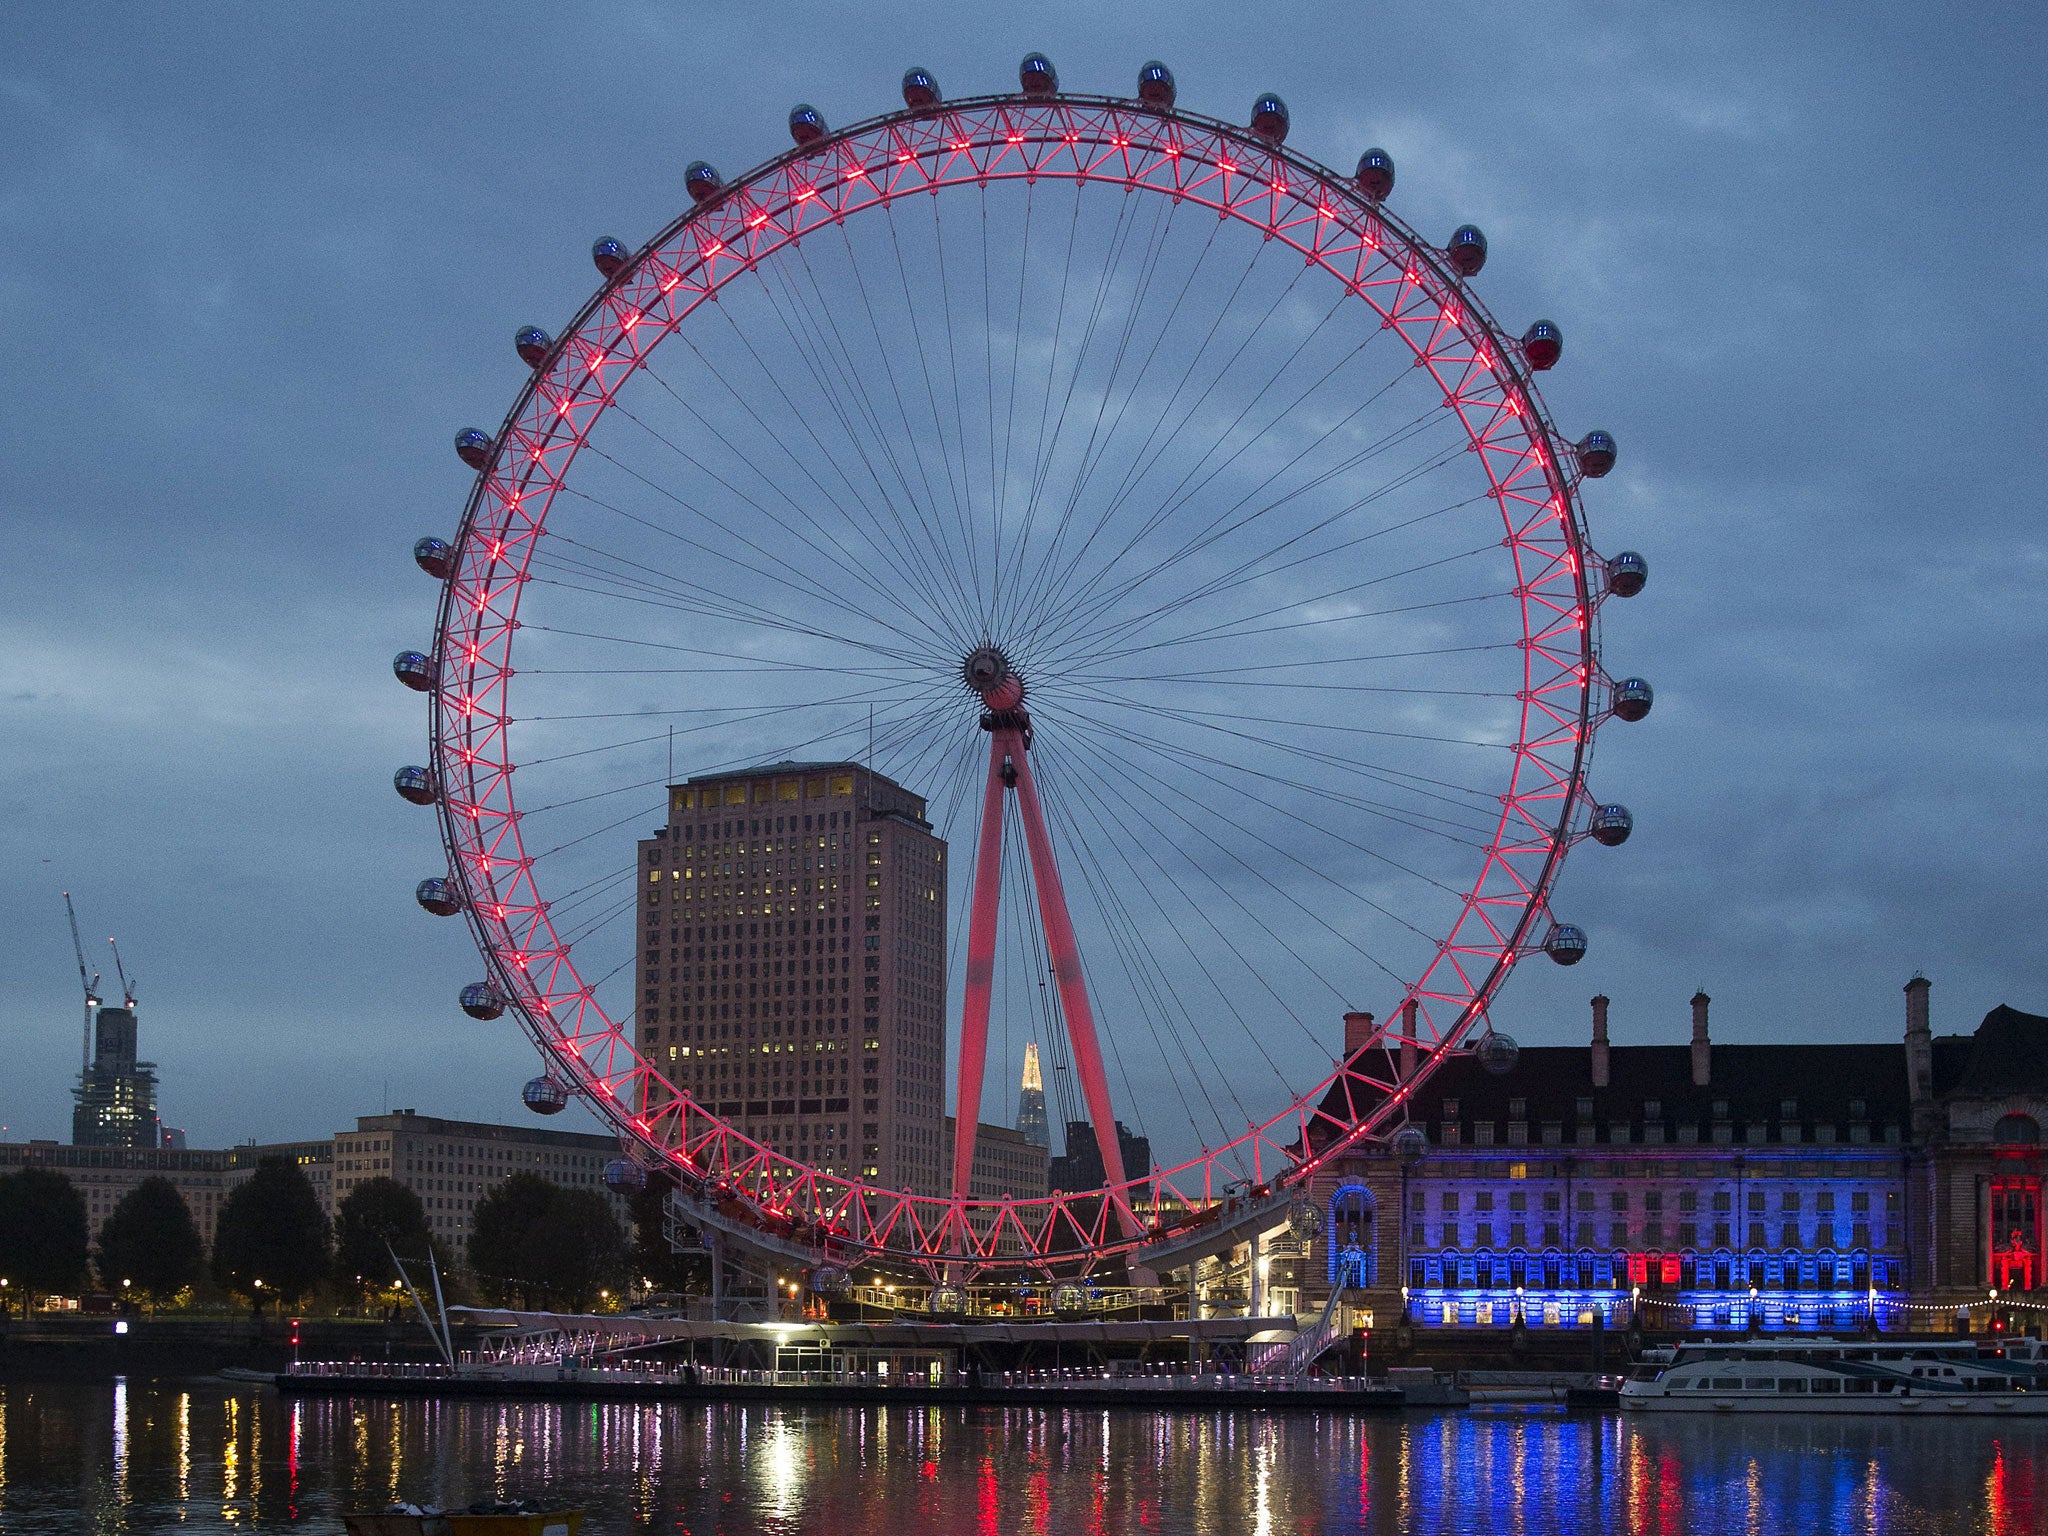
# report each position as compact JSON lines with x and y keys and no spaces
{"x":1703,"y":1187}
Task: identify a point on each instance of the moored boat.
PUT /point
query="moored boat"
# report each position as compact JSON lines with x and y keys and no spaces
{"x":1836,"y":1376}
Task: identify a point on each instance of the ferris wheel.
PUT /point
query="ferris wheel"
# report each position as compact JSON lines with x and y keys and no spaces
{"x":1150,"y":503}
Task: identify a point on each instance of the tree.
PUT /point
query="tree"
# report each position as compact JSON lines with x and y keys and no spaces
{"x":498,"y":1233}
{"x":539,"y":1244}
{"x":151,"y":1241}
{"x":377,"y":1219}
{"x":575,"y":1250}
{"x":687,"y":1273}
{"x":271,"y":1238}
{"x":43,"y":1233}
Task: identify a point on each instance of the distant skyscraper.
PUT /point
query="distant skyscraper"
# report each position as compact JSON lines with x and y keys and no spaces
{"x":1081,"y":1168}
{"x":117,"y":1094}
{"x":792,"y":965}
{"x":1031,"y":1122}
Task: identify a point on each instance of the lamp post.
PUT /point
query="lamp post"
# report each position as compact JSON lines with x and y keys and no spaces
{"x":1413,"y":1148}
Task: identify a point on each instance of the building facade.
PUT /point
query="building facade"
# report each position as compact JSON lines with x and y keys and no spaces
{"x":1699,"y":1186}
{"x":1008,"y":1165}
{"x":104,"y":1175}
{"x":792,"y":943}
{"x":314,"y":1159}
{"x":452,"y":1164}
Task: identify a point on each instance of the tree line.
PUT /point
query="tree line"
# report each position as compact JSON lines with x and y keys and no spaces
{"x":532,"y":1242}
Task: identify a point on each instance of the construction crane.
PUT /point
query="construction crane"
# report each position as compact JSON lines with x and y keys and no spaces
{"x":127,"y":986}
{"x":91,"y":986}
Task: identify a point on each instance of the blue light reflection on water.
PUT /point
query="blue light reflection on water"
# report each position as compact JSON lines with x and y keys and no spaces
{"x":142,"y":1455}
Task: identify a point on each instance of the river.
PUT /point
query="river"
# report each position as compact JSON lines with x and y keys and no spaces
{"x":202,"y":1456}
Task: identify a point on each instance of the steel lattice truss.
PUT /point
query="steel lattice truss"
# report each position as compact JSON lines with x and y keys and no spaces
{"x":1331,"y":226}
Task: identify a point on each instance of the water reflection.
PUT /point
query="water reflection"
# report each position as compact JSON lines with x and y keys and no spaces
{"x":140,"y":1455}
{"x":120,"y":1456}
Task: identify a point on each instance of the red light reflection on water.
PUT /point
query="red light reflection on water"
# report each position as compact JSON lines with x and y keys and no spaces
{"x":2012,"y":1493}
{"x":985,"y":1498}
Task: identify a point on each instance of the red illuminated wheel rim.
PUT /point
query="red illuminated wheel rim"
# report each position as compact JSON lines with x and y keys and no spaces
{"x":1241,"y":476}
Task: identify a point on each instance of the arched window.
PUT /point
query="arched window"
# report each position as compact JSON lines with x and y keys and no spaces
{"x":1352,"y":1250}
{"x":2017,"y":1131}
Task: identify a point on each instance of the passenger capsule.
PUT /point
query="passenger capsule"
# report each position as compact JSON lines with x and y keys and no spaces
{"x":1611,"y":825}
{"x":438,"y":896}
{"x":830,"y":1282}
{"x":480,"y":1000}
{"x":1498,"y":1053}
{"x":946,"y":1301}
{"x":1069,"y":1300}
{"x":474,"y":446}
{"x":624,"y":1176}
{"x":415,"y":784}
{"x":701,"y":181}
{"x":1565,"y":944}
{"x":545,"y":1096}
{"x":1467,"y":250}
{"x":1627,"y":574}
{"x":920,"y":90}
{"x":806,"y":126}
{"x":1632,"y":698}
{"x":533,"y":345}
{"x":433,"y":556}
{"x":1304,"y":1220}
{"x":1155,"y":86}
{"x":1543,"y":345}
{"x":416,"y":670}
{"x":1269,"y":119}
{"x":1375,"y":174}
{"x":1595,"y":453}
{"x":1411,"y":1143}
{"x":1037,"y":76}
{"x":610,"y":256}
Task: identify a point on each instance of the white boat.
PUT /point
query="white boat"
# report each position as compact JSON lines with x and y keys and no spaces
{"x":1930,"y":1379}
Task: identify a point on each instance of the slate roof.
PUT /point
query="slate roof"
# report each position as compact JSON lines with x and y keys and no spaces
{"x":2009,"y":1054}
{"x":1748,"y":1084}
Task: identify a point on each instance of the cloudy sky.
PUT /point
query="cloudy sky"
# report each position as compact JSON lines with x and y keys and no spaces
{"x":257,"y":265}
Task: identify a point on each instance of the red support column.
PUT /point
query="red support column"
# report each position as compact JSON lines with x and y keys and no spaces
{"x":981,"y":961}
{"x":1066,"y":970}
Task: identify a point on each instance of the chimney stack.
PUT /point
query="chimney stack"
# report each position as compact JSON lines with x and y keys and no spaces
{"x":1600,"y":1041}
{"x":1408,"y":1041}
{"x":1357,"y":1033}
{"x":1702,"y":1048}
{"x":1919,"y":1053}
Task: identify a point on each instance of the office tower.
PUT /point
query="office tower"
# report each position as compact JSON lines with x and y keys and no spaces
{"x":792,"y":945}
